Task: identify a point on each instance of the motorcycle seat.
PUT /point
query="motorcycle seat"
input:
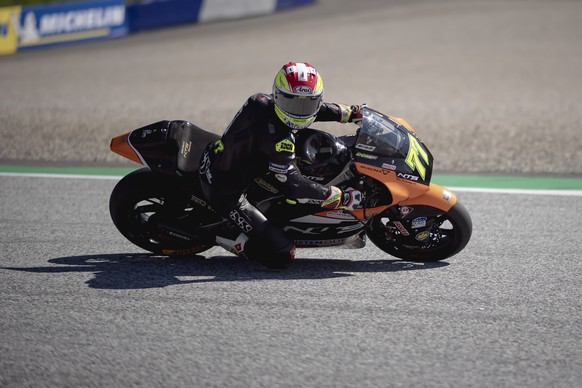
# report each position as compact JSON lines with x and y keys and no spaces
{"x":191,"y":141}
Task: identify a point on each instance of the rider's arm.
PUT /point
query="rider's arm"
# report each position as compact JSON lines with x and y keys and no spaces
{"x":338,"y":112}
{"x":287,"y":178}
{"x":279,"y":151}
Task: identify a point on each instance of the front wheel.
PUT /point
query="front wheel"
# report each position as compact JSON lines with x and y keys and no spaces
{"x":426,"y":234}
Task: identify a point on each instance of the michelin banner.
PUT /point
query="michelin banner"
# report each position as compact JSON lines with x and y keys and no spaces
{"x":39,"y":26}
{"x":26,"y":27}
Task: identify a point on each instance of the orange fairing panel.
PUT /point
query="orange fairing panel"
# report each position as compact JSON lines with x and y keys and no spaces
{"x":405,"y":192}
{"x":362,"y":214}
{"x":400,"y":189}
{"x":120,"y":145}
{"x":403,"y":122}
{"x":437,"y":197}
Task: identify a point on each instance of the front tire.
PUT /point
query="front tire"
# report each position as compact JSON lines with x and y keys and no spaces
{"x":445,"y":235}
{"x":141,"y":198}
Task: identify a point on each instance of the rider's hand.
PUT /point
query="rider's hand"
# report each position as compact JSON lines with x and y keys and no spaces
{"x":356,"y":115}
{"x":352,"y":199}
{"x":349,"y":199}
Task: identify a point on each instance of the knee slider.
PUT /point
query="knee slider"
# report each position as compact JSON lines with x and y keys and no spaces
{"x":272,"y":248}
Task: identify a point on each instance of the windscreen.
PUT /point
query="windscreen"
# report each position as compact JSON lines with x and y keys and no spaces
{"x":380,"y":135}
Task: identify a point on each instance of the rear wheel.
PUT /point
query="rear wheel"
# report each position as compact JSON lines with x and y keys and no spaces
{"x":141,"y":200}
{"x":432,"y":235}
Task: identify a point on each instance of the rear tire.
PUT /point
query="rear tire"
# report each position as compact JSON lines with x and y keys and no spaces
{"x":447,"y":236}
{"x":135,"y":203}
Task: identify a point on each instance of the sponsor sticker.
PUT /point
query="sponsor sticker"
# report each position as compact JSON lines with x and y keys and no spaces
{"x":365,"y":147}
{"x":186,"y":147}
{"x":340,"y":215}
{"x":401,"y":228}
{"x":405,"y":210}
{"x":285,"y":145}
{"x":218,"y":146}
{"x":188,"y":251}
{"x":278,"y":168}
{"x":419,"y":222}
{"x":266,"y":185}
{"x":198,"y":201}
{"x":408,"y":177}
{"x":422,"y":236}
{"x":302,"y":89}
{"x":446,"y":195}
{"x":320,"y":243}
{"x":314,"y":178}
{"x":205,"y":167}
{"x":366,"y":156}
{"x":242,"y":223}
{"x":373,"y":168}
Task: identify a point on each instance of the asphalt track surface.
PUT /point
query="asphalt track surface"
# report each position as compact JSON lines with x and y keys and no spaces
{"x":80,"y":306}
{"x":491,"y":86}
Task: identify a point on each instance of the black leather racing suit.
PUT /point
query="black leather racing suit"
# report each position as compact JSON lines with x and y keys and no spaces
{"x":257,"y":143}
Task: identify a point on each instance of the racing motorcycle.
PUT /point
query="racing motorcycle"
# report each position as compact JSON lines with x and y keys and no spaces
{"x":161,"y":208}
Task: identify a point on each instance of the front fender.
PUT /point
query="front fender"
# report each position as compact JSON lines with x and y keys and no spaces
{"x":437,"y":196}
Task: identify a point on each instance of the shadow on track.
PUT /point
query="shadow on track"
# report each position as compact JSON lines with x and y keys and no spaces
{"x":137,"y":271}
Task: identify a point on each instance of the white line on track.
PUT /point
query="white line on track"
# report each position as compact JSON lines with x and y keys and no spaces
{"x":571,"y":193}
{"x":65,"y":176}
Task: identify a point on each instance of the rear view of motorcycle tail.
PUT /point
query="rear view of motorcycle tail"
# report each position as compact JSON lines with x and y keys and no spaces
{"x":167,"y":147}
{"x":160,"y":208}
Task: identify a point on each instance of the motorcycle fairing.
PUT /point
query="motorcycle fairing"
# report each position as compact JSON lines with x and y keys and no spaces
{"x":323,"y":235}
{"x":388,"y":150}
{"x":168,"y":147}
{"x":437,"y":196}
{"x":150,"y":145}
{"x":354,"y":242}
{"x":120,"y":145}
{"x":405,"y":192}
{"x":389,"y":144}
{"x":315,"y":226}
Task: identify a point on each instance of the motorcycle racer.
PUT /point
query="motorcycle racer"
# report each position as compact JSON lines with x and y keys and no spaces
{"x":260,"y":141}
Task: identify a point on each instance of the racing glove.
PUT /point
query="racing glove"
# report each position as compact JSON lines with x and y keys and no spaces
{"x":356,"y":115}
{"x":352,"y":199}
{"x":350,"y":113}
{"x":349,"y":199}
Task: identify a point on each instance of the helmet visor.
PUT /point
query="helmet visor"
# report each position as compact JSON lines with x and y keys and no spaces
{"x":297,"y":105}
